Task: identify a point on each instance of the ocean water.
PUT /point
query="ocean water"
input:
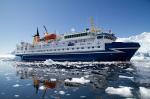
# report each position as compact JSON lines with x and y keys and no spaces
{"x":78,"y":80}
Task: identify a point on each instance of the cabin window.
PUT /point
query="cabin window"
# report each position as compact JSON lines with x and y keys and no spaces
{"x":92,"y":46}
{"x":82,"y":47}
{"x":108,"y":37}
{"x":67,"y":48}
{"x":77,"y":47}
{"x":75,"y":35}
{"x":72,"y":48}
{"x":88,"y":47}
{"x":98,"y":46}
{"x":99,"y":37}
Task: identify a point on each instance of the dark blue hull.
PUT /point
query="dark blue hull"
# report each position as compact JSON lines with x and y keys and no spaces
{"x":115,"y":51}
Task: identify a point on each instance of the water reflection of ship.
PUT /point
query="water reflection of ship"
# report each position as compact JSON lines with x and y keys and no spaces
{"x":53,"y":78}
{"x":47,"y":84}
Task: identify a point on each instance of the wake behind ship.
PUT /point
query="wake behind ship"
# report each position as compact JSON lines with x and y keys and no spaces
{"x":91,"y":45}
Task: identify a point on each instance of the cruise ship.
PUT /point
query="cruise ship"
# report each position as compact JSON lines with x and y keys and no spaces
{"x":92,"y":44}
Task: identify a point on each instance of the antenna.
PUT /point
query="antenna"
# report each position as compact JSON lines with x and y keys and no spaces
{"x":92,"y":27}
{"x":45,"y":28}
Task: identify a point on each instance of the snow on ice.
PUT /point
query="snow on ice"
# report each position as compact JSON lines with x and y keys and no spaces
{"x":122,"y":91}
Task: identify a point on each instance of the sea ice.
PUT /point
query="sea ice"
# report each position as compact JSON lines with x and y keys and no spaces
{"x":123,"y":91}
{"x":16,"y":96}
{"x":145,"y":93}
{"x":81,"y":80}
{"x":121,"y":76}
{"x":61,"y":92}
{"x":82,"y":96}
{"x":16,"y":85}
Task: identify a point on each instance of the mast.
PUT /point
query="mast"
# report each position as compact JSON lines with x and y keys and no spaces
{"x":93,"y":29}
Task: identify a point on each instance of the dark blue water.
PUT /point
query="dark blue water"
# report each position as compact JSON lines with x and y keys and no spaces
{"x":22,"y":80}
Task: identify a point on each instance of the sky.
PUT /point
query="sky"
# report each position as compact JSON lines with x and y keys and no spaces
{"x":19,"y":19}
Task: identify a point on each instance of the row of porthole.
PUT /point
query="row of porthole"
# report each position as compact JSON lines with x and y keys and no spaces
{"x":66,"y":49}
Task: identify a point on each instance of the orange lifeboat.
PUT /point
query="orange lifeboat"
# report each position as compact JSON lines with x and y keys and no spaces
{"x":50,"y":37}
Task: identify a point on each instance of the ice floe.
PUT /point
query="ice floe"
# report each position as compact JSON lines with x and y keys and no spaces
{"x":81,"y":80}
{"x":16,"y":96}
{"x":144,"y":92}
{"x":16,"y":85}
{"x":126,"y":77}
{"x":82,"y":96}
{"x":61,"y":92}
{"x":122,"y":91}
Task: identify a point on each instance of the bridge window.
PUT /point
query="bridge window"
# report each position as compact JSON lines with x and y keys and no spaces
{"x":109,"y":37}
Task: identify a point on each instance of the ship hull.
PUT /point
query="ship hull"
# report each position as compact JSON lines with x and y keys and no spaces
{"x":116,"y":51}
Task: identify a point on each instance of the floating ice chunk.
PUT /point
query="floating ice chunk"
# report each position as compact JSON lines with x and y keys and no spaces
{"x":139,"y":57}
{"x":16,"y":96}
{"x":49,"y":62}
{"x":145,"y":93}
{"x":16,"y":85}
{"x":123,"y":91}
{"x":81,"y":80}
{"x":82,"y":96}
{"x":87,"y":76}
{"x":129,"y":69}
{"x":121,"y":76}
{"x":42,"y":88}
{"x":61,"y":92}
